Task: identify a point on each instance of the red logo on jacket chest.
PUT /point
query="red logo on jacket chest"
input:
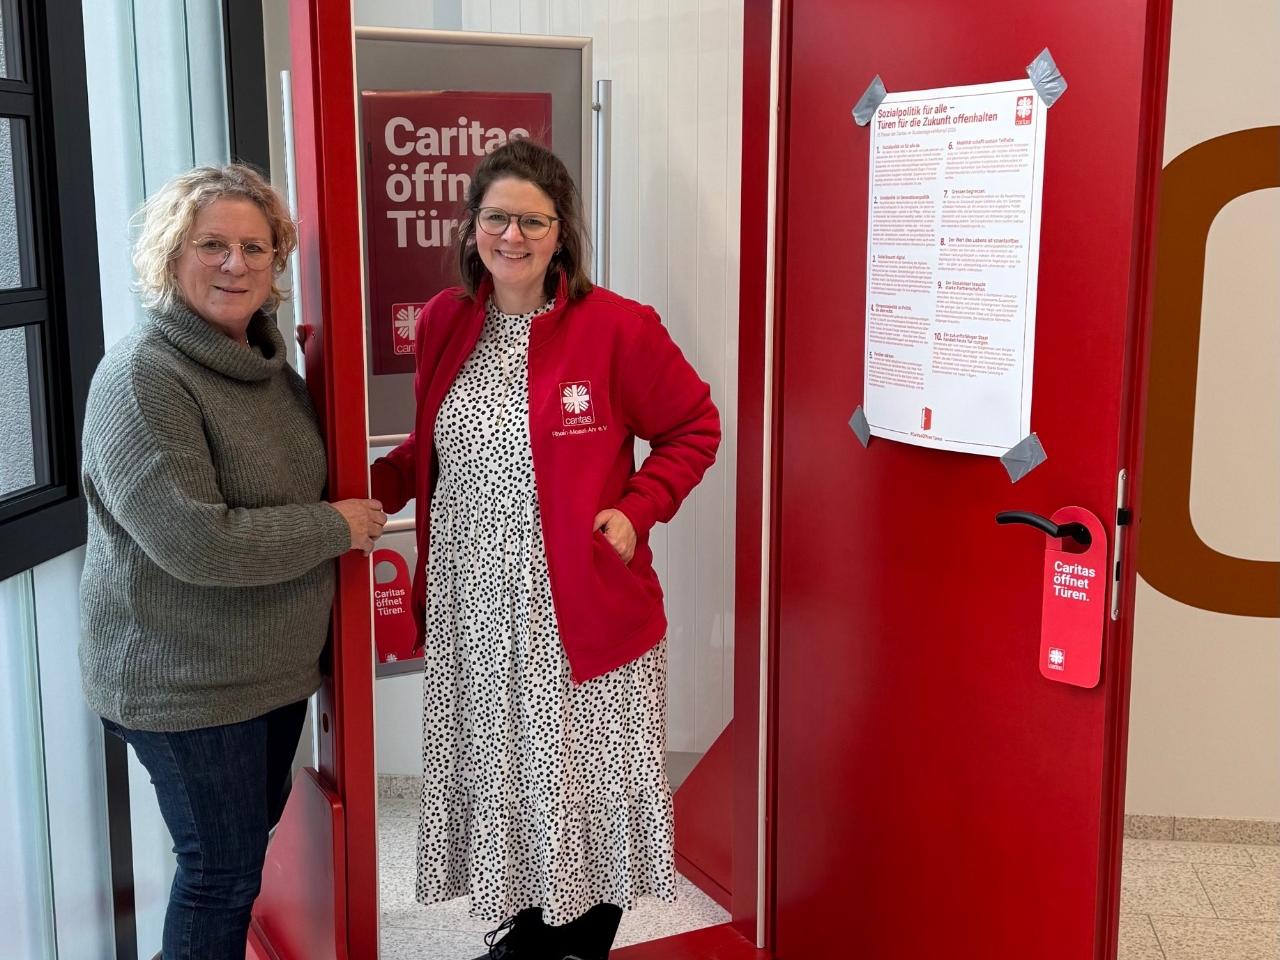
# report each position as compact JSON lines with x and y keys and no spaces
{"x":576,"y":408}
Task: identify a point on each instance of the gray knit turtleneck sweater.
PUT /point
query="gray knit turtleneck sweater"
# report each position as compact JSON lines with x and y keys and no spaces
{"x":208,"y":576}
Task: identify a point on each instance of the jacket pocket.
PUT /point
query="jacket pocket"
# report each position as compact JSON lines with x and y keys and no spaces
{"x":620,"y":593}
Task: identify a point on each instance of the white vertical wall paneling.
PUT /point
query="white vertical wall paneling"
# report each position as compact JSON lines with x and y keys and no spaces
{"x":711,"y":570}
{"x":476,"y":15}
{"x":676,"y":70}
{"x":418,"y":15}
{"x":684,"y":249}
{"x":650,"y":199}
{"x":624,"y":72}
{"x":732,"y":230}
{"x":446,"y":14}
{"x":593,"y":16}
{"x":564,"y":18}
{"x":535,"y":16}
{"x":505,"y":16}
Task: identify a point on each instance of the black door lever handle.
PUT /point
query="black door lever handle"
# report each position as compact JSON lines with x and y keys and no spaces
{"x":1075,"y":531}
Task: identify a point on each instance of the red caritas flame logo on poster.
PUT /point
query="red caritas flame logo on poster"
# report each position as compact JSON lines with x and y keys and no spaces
{"x":420,"y":150}
{"x":404,"y":324}
{"x":1022,"y":113}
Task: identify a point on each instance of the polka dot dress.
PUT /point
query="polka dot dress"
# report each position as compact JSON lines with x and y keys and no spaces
{"x":536,"y":792}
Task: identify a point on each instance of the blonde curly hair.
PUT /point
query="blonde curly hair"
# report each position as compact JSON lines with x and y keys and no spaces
{"x":169,"y":214}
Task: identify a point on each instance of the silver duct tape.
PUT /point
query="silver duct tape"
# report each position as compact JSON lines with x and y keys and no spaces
{"x":858,"y":424}
{"x":1023,"y":457}
{"x":1047,"y":78}
{"x":866,"y":107}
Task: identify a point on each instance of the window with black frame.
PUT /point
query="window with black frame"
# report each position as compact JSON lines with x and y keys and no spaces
{"x":50,"y":313}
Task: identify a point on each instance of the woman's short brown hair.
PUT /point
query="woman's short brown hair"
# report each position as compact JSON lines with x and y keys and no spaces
{"x":168,"y":215}
{"x":523,"y":159}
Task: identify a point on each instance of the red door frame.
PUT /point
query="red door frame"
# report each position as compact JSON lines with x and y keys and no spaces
{"x":753,"y":421}
{"x":319,"y":899}
{"x":1118,"y":659}
{"x":1155,"y":83}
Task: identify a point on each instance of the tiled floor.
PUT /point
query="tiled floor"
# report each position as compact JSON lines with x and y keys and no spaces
{"x":1186,"y":900}
{"x":411,"y":931}
{"x":1181,"y":900}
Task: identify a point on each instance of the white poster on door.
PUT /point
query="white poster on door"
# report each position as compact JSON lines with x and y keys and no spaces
{"x":953,"y":249}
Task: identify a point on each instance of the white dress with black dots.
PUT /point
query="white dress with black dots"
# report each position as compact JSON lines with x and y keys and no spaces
{"x":536,"y":791}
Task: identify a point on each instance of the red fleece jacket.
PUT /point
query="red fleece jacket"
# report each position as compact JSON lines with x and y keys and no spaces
{"x":602,"y":371}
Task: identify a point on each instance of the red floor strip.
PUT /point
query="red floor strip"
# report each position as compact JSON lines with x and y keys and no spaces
{"x":711,"y":943}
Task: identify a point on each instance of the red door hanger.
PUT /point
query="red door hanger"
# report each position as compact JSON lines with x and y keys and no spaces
{"x":394,"y":632}
{"x":1073,"y":608}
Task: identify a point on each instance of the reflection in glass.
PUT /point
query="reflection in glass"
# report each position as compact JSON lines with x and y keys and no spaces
{"x":22,"y":451}
{"x":10,"y":49}
{"x":16,"y":257}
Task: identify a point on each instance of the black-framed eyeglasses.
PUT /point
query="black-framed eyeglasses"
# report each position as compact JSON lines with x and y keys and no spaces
{"x":213,"y":252}
{"x":532,"y":226}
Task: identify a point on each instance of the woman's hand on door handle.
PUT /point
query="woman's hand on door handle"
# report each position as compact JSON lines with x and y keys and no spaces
{"x":366,"y":520}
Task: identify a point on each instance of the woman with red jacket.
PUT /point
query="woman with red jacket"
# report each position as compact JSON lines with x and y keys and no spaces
{"x":545,"y":795}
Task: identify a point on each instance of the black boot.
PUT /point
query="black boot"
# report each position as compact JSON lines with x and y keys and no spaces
{"x":525,"y":939}
{"x":590,"y":937}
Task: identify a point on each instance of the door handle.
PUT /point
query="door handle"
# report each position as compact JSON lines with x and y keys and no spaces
{"x":1075,"y":531}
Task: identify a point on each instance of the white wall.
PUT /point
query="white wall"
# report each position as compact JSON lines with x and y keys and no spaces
{"x":676,"y":72}
{"x":1204,"y":735}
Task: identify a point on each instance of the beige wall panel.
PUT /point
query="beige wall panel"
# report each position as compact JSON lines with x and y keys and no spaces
{"x":1235,"y":467}
{"x":1205,"y":711}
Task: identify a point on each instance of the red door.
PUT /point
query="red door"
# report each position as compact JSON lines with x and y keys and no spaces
{"x":936,"y":797}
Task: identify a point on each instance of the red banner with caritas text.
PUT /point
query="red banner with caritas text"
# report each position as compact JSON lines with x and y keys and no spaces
{"x":420,"y":150}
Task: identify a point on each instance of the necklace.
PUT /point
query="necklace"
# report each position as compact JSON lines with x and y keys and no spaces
{"x":500,"y":401}
{"x":511,"y":333}
{"x":506,"y":338}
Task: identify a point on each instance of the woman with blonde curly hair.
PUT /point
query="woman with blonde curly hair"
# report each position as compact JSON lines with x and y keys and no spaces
{"x":208,"y":572}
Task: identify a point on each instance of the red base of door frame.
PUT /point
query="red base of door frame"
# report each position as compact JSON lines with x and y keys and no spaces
{"x":710,"y":943}
{"x":704,"y":834}
{"x":302,"y":909}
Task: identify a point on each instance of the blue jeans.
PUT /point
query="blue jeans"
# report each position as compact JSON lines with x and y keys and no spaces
{"x":221,"y":789}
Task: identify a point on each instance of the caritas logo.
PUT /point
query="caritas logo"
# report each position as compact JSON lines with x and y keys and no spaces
{"x":404,"y":317}
{"x":926,"y":418}
{"x":576,"y":409}
{"x":1022,"y":112}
